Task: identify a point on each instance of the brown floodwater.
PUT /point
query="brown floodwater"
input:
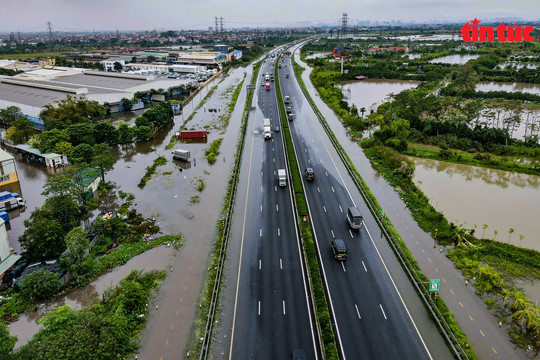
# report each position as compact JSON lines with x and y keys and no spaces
{"x":157,"y":258}
{"x":473,"y":195}
{"x":371,"y":93}
{"x":454,"y":59}
{"x":508,"y":86}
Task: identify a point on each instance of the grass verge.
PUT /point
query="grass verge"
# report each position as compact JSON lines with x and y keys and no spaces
{"x":323,"y":318}
{"x":150,"y":170}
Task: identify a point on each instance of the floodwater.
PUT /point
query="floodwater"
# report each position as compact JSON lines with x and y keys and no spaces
{"x":508,"y":86}
{"x":474,"y":195}
{"x":440,"y":37}
{"x":371,"y":93}
{"x":318,"y":55}
{"x":529,"y":125}
{"x":454,"y":59}
{"x":157,"y":258}
{"x":167,"y":198}
{"x":517,"y":65}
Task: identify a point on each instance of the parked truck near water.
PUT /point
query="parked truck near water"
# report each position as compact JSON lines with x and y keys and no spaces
{"x":180,"y":154}
{"x":10,"y":201}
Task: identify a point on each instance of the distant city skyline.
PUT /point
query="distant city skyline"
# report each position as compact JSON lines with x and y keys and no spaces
{"x":124,"y":15}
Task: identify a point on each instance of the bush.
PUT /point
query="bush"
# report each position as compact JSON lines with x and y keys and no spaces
{"x":40,"y":285}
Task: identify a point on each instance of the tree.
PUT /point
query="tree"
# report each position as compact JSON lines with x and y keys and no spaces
{"x":77,"y":246}
{"x":9,"y":115}
{"x":21,"y":130}
{"x":143,"y":132}
{"x":81,"y":134}
{"x":510,"y":232}
{"x":72,"y":110}
{"x":484,"y":227}
{"x":105,"y":132}
{"x":82,"y":154}
{"x":43,"y":238}
{"x":125,"y":133}
{"x":126,"y":104}
{"x":7,"y":342}
{"x":63,"y":148}
{"x":64,"y":210}
{"x":47,"y":140}
{"x":69,"y":183}
{"x":117,"y":66}
{"x":150,"y":59}
{"x":40,"y":285}
{"x":103,"y":159}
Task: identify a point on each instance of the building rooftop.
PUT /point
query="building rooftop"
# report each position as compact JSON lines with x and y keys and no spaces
{"x":4,"y":156}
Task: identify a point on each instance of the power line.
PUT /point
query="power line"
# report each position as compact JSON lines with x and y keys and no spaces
{"x":49,"y":27}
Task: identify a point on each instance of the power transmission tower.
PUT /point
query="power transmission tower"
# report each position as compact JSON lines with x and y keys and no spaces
{"x":19,"y":34}
{"x":12,"y":37}
{"x":220,"y":24}
{"x":49,"y":28}
{"x":344,"y":21}
{"x":216,"y":28}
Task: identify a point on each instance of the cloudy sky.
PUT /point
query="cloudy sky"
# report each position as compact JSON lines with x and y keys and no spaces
{"x":80,"y":15}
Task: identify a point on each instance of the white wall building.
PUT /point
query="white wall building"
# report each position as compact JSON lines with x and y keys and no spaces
{"x":108,"y":65}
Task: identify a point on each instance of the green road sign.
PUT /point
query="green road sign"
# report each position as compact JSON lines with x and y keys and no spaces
{"x":434,"y":285}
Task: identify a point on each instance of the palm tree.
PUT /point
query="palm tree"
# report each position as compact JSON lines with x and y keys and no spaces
{"x":510,"y":232}
{"x":484,"y":227}
{"x":519,"y":300}
{"x":362,"y":110}
{"x":529,"y":317}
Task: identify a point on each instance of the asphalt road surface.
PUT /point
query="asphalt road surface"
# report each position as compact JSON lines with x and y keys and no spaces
{"x":372,"y":318}
{"x":272,"y":315}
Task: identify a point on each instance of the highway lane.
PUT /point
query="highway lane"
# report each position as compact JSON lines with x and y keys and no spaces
{"x":371,"y":316}
{"x":271,"y":316}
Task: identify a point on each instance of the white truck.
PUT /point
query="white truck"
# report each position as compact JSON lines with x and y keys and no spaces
{"x":11,"y":203}
{"x":181,"y":154}
{"x":282,"y":177}
{"x":287,"y":99}
{"x":267,"y":129}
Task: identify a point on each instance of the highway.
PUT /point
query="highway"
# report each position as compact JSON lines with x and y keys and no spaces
{"x":272,"y":314}
{"x":371,"y":316}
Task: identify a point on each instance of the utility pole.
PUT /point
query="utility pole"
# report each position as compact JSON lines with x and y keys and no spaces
{"x":49,"y":28}
{"x":221,"y":24}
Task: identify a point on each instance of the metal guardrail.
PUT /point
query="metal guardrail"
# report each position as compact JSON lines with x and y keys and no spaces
{"x":434,"y":311}
{"x":205,"y":347}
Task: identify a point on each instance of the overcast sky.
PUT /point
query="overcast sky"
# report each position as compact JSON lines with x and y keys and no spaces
{"x":80,"y":15}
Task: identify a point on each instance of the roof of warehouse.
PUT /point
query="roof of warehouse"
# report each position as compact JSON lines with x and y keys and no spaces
{"x":99,"y":82}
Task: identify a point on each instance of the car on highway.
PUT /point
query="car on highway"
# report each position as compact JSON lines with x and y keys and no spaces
{"x":287,"y":76}
{"x":354,"y":217}
{"x":310,"y":175}
{"x":339,"y":249}
{"x":278,"y":128}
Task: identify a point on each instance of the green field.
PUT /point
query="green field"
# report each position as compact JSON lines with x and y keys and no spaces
{"x":32,"y":55}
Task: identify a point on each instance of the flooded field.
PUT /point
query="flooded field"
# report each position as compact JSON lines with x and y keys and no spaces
{"x":507,"y":86}
{"x":454,"y":59}
{"x":371,"y":93}
{"x":473,"y":195}
{"x":441,"y":37}
{"x":517,"y":65}
{"x":155,"y":259}
{"x":318,"y":55}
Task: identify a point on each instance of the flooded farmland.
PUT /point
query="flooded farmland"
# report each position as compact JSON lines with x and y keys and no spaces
{"x":474,"y":195}
{"x":371,"y":93}
{"x":454,"y":59}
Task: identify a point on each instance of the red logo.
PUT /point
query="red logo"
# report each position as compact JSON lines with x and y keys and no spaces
{"x":472,"y":31}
